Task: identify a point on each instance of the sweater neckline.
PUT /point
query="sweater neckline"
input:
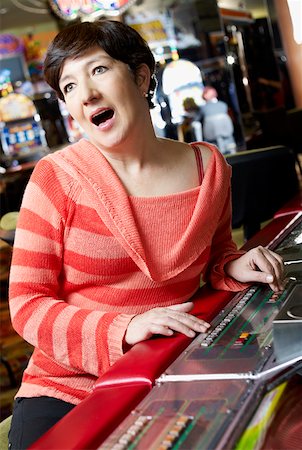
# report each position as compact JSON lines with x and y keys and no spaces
{"x":110,"y":200}
{"x":174,"y":196}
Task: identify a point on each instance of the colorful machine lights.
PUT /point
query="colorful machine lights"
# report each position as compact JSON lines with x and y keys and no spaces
{"x":10,"y":44}
{"x":84,"y":8}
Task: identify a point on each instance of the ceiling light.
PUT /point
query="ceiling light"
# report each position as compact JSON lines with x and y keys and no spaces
{"x":36,"y":7}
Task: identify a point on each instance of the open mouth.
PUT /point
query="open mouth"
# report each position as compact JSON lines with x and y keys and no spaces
{"x":101,"y":117}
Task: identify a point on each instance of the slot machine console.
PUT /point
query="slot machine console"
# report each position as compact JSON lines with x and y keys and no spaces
{"x":287,"y":327}
{"x":199,"y":394}
{"x":207,"y":396}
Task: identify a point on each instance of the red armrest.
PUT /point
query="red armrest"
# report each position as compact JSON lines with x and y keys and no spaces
{"x":147,"y":360}
{"x":93,"y":419}
{"x":292,"y":206}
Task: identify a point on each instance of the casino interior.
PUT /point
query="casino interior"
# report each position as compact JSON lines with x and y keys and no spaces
{"x":236,"y":386}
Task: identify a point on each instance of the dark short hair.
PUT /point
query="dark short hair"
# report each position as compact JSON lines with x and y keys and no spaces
{"x":119,"y":41}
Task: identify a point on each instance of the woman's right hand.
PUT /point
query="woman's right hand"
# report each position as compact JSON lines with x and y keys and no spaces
{"x":164,"y":320}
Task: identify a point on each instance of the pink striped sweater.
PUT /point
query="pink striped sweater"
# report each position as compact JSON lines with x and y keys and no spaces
{"x":87,"y":257}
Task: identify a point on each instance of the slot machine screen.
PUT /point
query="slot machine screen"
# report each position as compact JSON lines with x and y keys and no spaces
{"x":16,"y":65}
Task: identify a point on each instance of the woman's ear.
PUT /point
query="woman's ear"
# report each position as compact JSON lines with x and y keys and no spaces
{"x":142,"y":77}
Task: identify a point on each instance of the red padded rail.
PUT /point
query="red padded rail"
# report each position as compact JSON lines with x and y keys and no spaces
{"x":267,"y":234}
{"x":93,"y":419}
{"x":293,"y":206}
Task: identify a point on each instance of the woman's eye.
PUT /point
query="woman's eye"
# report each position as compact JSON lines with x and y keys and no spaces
{"x":68,"y":88}
{"x":99,"y":69}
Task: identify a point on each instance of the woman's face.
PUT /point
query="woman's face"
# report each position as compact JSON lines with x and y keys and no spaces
{"x":102,"y":95}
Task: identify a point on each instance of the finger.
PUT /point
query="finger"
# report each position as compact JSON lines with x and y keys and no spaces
{"x":276,"y":270}
{"x":268,"y":267}
{"x":274,"y":260}
{"x":160,"y":329}
{"x":184,"y":327}
{"x":169,"y":317}
{"x":277,"y":262}
{"x":180,"y":327}
{"x":263,"y":277}
{"x":193,"y":322}
{"x":184,"y":307}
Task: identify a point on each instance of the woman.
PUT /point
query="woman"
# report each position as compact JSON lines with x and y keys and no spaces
{"x":111,"y":240}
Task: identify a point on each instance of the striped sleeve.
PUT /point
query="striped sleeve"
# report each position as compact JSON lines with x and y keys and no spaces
{"x":77,"y":338}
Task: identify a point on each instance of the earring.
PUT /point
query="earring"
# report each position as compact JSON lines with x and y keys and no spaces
{"x":145,"y":94}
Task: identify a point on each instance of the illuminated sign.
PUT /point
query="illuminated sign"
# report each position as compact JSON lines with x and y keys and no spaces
{"x":151,"y":31}
{"x":72,"y":9}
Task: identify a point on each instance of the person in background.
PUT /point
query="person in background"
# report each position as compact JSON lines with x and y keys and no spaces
{"x":115,"y":231}
{"x":217,"y":125}
{"x":190,"y":129}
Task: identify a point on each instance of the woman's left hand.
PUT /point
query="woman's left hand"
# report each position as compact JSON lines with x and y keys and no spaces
{"x":258,"y":265}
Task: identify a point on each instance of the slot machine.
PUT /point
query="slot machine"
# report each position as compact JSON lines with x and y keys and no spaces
{"x":220,"y":390}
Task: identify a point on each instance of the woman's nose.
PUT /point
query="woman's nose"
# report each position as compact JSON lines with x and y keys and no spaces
{"x":89,"y":92}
